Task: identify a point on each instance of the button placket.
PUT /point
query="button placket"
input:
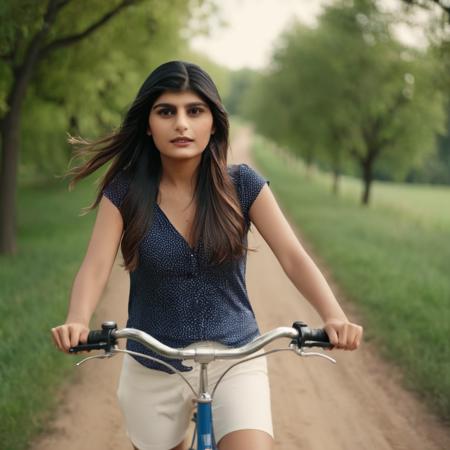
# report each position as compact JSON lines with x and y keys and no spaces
{"x":193,"y":265}
{"x":201,"y":314}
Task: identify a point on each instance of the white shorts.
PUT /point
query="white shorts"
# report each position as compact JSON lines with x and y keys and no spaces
{"x":158,"y":406}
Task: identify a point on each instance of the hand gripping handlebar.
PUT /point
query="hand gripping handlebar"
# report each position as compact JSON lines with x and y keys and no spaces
{"x":99,"y":339}
{"x":311,"y":337}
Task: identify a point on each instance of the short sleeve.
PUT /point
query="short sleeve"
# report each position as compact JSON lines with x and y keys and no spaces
{"x":250,"y":185}
{"x":117,"y":188}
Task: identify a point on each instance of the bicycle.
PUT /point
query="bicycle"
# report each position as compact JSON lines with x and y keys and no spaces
{"x":203,"y":353}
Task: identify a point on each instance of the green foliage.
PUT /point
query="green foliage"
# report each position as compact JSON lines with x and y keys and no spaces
{"x":436,"y":166}
{"x":17,"y":18}
{"x":346,"y":94}
{"x":42,"y":140}
{"x":390,"y":260}
{"x":86,"y":88}
{"x":240,"y":81}
{"x":20,"y":18}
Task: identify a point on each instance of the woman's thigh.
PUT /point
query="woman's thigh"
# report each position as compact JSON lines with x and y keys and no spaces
{"x":155,"y":406}
{"x":242,"y":407}
{"x":246,"y":439}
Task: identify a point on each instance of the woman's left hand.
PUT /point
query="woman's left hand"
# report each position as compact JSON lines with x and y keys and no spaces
{"x":344,"y":334}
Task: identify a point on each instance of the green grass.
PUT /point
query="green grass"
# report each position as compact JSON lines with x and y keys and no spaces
{"x":391,"y":259}
{"x":426,"y":205}
{"x":35,"y":288}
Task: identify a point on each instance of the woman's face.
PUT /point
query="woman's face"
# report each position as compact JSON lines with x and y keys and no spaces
{"x":180,"y":114}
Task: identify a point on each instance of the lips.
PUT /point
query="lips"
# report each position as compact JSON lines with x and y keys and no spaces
{"x":182,"y":139}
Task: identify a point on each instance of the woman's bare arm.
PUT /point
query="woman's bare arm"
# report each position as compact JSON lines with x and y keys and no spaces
{"x":301,"y":270}
{"x":92,"y":276}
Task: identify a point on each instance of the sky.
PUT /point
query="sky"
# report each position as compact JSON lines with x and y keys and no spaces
{"x":252,"y":30}
{"x":254,"y":25}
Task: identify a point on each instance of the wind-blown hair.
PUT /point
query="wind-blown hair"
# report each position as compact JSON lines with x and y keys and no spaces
{"x":218,"y":219}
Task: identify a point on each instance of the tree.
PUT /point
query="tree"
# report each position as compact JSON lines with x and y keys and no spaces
{"x":391,"y":87}
{"x":103,"y":71}
{"x":240,"y":82}
{"x":443,"y":4}
{"x":30,"y":39}
{"x":437,"y":166}
{"x":36,"y":32}
{"x":351,"y":92}
{"x":276,"y":104}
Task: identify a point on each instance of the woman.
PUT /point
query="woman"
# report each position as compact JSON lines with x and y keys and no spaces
{"x":181,"y":216}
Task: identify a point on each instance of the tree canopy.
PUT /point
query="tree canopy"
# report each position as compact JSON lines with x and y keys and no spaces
{"x":75,"y":66}
{"x":348,"y":93}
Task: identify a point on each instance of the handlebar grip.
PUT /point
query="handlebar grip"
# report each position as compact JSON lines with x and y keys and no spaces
{"x":88,"y":347}
{"x":98,"y":339}
{"x":311,"y":337}
{"x":96,"y":336}
{"x":95,"y":341}
{"x":319,"y":336}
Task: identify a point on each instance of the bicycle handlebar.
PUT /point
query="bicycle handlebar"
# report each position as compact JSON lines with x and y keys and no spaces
{"x":106,"y":338}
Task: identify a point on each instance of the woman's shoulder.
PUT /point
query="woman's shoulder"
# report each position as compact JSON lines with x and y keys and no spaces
{"x":240,"y":170}
{"x":244,"y":175}
{"x":117,"y":187}
{"x":249,"y":183}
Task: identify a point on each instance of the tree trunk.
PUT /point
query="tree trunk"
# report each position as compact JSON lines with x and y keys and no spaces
{"x":8,"y":183}
{"x":10,"y":143}
{"x":10,"y":140}
{"x":10,"y":124}
{"x":367,"y":170}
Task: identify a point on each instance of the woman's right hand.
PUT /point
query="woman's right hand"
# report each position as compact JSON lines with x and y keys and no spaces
{"x":69,"y":335}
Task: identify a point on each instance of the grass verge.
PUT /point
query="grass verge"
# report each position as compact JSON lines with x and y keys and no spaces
{"x":35,"y":287}
{"x":394,"y":266}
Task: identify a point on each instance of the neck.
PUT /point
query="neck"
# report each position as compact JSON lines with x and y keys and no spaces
{"x":180,"y":174}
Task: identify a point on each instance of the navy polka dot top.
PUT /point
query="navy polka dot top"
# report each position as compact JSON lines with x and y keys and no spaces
{"x":175,"y":295}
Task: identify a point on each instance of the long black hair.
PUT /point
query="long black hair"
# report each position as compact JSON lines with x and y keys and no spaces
{"x":218,"y":219}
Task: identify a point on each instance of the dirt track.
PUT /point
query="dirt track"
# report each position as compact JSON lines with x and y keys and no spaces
{"x":356,"y":404}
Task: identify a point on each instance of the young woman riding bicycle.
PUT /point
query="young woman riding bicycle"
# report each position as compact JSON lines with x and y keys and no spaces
{"x":181,"y":216}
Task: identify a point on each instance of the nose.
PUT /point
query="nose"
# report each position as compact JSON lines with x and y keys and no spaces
{"x":181,"y":122}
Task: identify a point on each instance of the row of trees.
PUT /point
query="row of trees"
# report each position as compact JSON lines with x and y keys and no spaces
{"x":347,"y":94}
{"x":342,"y":94}
{"x":75,"y":66}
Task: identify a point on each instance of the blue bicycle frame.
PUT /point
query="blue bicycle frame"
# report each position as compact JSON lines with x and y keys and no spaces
{"x":205,"y":432}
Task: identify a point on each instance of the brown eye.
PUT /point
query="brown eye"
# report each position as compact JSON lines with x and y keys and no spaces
{"x":164,"y":112}
{"x":198,"y":110}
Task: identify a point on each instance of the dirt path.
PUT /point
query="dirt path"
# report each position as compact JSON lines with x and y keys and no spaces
{"x":356,"y":404}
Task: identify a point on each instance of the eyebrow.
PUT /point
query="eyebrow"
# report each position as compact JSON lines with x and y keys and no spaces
{"x":160,"y":105}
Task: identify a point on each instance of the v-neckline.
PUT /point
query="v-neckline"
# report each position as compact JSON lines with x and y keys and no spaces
{"x":192,"y":250}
